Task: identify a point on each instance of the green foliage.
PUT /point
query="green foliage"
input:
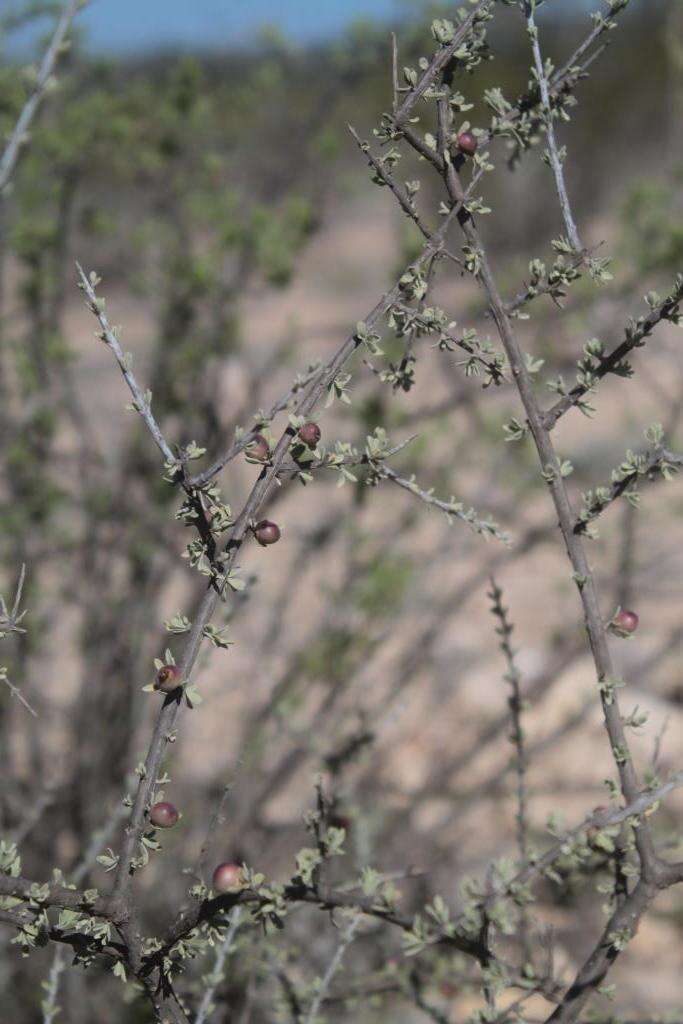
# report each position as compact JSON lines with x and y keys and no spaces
{"x":653,"y":233}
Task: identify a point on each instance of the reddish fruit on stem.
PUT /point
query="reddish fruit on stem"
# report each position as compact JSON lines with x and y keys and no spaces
{"x":228,"y":877}
{"x":163,"y":815}
{"x":258,"y":448}
{"x":625,"y":622}
{"x":267,"y":533}
{"x":168,"y":679}
{"x":310,"y":434}
{"x":467,"y":143}
{"x":340,"y":821}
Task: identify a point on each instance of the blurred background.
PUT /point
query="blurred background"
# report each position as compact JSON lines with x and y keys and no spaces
{"x":197,"y":157}
{"x":215,"y":26}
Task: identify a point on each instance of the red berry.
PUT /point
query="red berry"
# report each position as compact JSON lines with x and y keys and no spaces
{"x":258,"y":448}
{"x":625,"y":622}
{"x":340,"y":821}
{"x":228,"y":877}
{"x":168,"y":678}
{"x":267,"y":533}
{"x":310,"y":434}
{"x":163,"y":815}
{"x":467,"y":143}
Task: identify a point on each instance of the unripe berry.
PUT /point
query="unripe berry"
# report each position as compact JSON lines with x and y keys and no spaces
{"x":258,"y":448}
{"x":467,"y":143}
{"x":625,"y":622}
{"x":163,"y":815}
{"x":310,"y":434}
{"x":267,"y":533}
{"x":228,"y":877}
{"x":168,"y":679}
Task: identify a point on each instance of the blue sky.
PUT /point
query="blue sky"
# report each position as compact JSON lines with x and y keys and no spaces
{"x":125,"y":25}
{"x":141,"y":24}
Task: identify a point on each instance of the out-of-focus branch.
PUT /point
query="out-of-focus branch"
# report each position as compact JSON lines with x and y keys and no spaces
{"x":216,"y":976}
{"x":10,"y":623}
{"x":19,"y":135}
{"x":512,"y":677}
{"x":332,"y":968}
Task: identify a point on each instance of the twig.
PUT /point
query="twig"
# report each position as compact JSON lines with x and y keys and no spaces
{"x":394,"y":73}
{"x":491,"y":366}
{"x":512,"y":677}
{"x":216,"y":820}
{"x":326,"y":899}
{"x":553,"y":152}
{"x":15,"y":691}
{"x":602,"y":819}
{"x":336,"y":899}
{"x":667,"y":462}
{"x":325,"y":374}
{"x":206,"y":475}
{"x":550,"y":465}
{"x":549,"y":287}
{"x":9,"y":620}
{"x":49,"y":1005}
{"x":356,"y":458}
{"x":404,"y":200}
{"x":306,"y":404}
{"x":141,"y":401}
{"x":417,"y":992}
{"x":441,"y":60}
{"x":97,"y":841}
{"x":452,"y":509}
{"x":618,"y":931}
{"x":37,"y":809}
{"x":635,"y":334}
{"x":216,"y":976}
{"x":333,"y":967}
{"x":599,"y":28}
{"x":19,"y":135}
{"x":170,"y":711}
{"x":10,"y":623}
{"x":562,"y":81}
